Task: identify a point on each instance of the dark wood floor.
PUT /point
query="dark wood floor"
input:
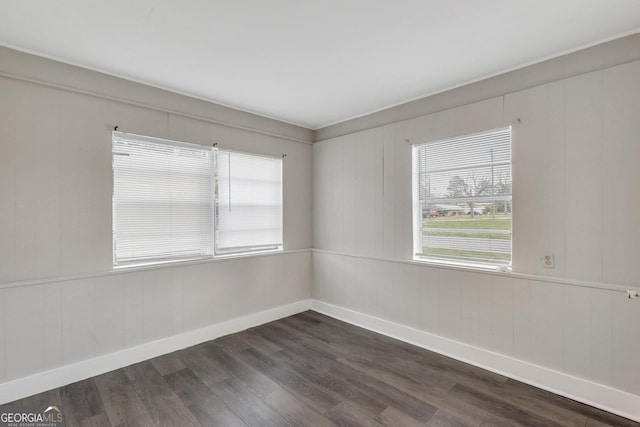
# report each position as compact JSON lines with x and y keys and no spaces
{"x":311,"y":370}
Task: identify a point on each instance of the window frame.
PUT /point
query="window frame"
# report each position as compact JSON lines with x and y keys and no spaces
{"x":239,"y":251}
{"x":417,"y":208}
{"x":153,"y":156}
{"x":212,"y":200}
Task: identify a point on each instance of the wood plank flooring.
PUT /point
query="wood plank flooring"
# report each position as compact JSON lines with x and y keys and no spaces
{"x":311,"y":370}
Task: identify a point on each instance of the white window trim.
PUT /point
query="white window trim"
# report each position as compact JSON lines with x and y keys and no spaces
{"x":160,"y":189}
{"x":418,"y":256}
{"x":151,"y":263}
{"x":238,"y":251}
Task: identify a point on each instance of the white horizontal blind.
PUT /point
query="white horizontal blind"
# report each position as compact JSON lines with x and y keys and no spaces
{"x":162,"y":192}
{"x":248,"y":203}
{"x":463,"y":194}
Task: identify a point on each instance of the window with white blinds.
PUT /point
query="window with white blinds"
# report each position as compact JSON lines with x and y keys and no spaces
{"x":248,"y":202}
{"x":165,"y":194}
{"x":462,"y":198}
{"x":162,"y":200}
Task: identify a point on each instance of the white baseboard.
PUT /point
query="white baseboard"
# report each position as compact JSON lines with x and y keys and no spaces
{"x":597,"y":395}
{"x":58,"y":377}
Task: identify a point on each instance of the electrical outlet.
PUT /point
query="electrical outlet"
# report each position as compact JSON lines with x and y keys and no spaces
{"x":548,"y":260}
{"x":633,"y":294}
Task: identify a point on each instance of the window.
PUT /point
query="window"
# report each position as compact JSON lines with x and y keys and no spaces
{"x":161,"y":200}
{"x":164,"y":193}
{"x":248,"y":202}
{"x":462,"y":199}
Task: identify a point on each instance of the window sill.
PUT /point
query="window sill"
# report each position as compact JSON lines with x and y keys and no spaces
{"x":241,"y":254}
{"x":501,"y":268}
{"x":169,"y":262}
{"x":195,"y":260}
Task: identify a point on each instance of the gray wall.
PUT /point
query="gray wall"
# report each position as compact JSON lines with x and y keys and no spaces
{"x":60,"y":302}
{"x":576,"y":149}
{"x":583,"y":61}
{"x":575,"y":178}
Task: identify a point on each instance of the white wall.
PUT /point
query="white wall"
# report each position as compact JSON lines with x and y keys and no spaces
{"x":575,"y":179}
{"x":60,"y":301}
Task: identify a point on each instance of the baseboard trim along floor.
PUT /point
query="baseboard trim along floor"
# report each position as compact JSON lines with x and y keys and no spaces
{"x":58,"y":377}
{"x":597,"y":395}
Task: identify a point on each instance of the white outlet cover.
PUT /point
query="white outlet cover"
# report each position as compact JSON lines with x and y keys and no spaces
{"x":548,"y":260}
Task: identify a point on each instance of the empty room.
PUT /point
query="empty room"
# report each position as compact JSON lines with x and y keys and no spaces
{"x":319,"y":213}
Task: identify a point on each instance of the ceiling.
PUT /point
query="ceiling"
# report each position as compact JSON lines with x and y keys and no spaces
{"x":310,"y":62}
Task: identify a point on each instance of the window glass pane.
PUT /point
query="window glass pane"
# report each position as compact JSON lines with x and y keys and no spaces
{"x":161,"y":200}
{"x":462,"y":195}
{"x":248,"y":202}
